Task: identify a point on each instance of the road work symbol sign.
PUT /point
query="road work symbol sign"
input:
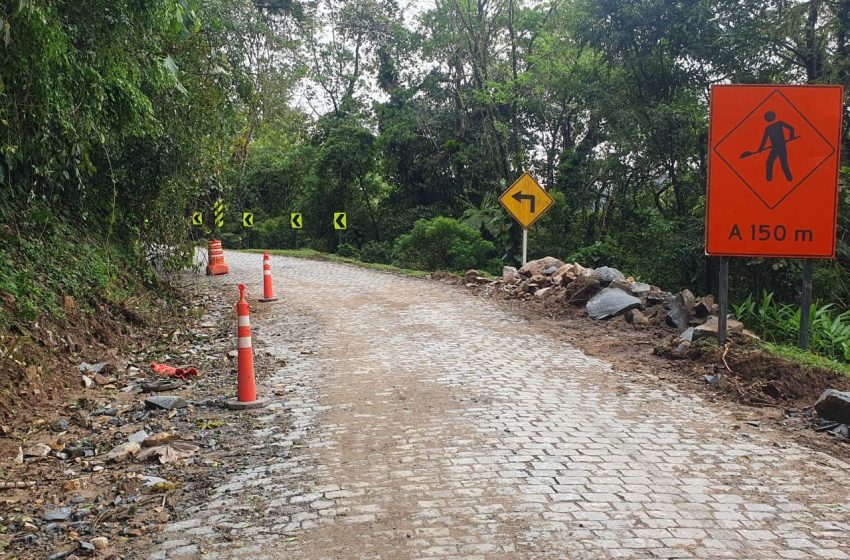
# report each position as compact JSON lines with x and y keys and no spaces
{"x":340,"y":220}
{"x":197,"y":218}
{"x":248,"y":219}
{"x":773,"y":171}
{"x":295,"y":221}
{"x":526,"y":200}
{"x":218,"y":210}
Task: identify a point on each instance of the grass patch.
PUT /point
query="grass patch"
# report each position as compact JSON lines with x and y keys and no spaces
{"x":806,"y":358}
{"x":330,"y":257}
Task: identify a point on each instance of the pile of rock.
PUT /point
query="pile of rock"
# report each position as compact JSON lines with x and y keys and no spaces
{"x":606,"y":293}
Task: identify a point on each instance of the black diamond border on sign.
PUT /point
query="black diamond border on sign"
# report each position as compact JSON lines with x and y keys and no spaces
{"x":801,"y":181}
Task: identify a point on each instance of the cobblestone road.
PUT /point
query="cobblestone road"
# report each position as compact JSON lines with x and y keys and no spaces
{"x":433,"y":424}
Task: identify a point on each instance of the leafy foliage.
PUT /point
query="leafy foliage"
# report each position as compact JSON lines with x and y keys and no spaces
{"x":829,"y":330}
{"x":117,"y":119}
{"x":348,"y":251}
{"x":443,"y":244}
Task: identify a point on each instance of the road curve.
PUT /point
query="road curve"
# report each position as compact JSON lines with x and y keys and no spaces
{"x":428,"y":423}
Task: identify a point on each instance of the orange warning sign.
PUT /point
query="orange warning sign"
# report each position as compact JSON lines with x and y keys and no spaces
{"x":773,"y":166}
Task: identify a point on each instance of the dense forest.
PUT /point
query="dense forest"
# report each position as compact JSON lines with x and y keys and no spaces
{"x":120,"y":118}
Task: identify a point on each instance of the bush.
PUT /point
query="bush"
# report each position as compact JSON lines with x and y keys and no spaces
{"x":348,"y":250}
{"x":231,"y":240}
{"x":601,"y":253}
{"x":443,"y":244}
{"x":377,"y":252}
{"x":274,"y":233}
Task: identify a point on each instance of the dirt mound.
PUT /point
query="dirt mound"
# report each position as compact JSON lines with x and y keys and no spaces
{"x":40,"y":361}
{"x":782,"y":381}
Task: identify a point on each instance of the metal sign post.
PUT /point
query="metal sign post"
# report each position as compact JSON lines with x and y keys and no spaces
{"x":808,"y":271}
{"x":524,"y":246}
{"x":724,"y":300}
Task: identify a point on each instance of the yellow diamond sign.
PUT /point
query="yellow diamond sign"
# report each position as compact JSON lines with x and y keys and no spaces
{"x":526,"y":200}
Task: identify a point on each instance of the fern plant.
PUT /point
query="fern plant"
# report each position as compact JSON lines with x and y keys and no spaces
{"x":829,"y":331}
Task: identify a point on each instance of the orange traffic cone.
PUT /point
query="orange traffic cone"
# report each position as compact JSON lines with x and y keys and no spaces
{"x":268,"y":291}
{"x":247,"y":386}
{"x":216,"y":264}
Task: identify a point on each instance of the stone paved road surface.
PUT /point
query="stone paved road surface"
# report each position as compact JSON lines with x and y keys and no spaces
{"x":429,"y":423}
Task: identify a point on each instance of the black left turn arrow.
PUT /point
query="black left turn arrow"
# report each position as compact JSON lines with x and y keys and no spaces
{"x":519,"y":197}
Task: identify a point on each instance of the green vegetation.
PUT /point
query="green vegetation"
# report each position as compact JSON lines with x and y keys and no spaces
{"x":829,"y":330}
{"x":37,"y":271}
{"x":119,"y":118}
{"x":443,"y":244}
{"x":807,"y":358}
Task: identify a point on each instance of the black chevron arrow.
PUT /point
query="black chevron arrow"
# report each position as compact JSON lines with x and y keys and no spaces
{"x":519,"y":197}
{"x":340,"y":221}
{"x":296,"y":221}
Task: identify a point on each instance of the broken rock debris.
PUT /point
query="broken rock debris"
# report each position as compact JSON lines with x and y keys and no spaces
{"x":611,"y":302}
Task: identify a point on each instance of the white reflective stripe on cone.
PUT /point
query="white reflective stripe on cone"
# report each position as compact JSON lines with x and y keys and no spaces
{"x":244,"y":321}
{"x":244,"y":342}
{"x":267,"y":273}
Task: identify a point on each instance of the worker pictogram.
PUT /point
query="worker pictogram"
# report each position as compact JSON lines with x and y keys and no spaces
{"x":340,"y":220}
{"x":218,"y":210}
{"x":247,"y":219}
{"x":197,"y":218}
{"x":526,"y":200}
{"x":295,"y":221}
{"x":774,"y":139}
{"x":773,"y":170}
{"x":774,"y":149}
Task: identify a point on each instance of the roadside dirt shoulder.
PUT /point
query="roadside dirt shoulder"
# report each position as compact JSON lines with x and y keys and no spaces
{"x":99,"y":470}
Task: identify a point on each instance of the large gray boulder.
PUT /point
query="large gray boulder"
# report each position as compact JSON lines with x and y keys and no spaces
{"x":611,"y":302}
{"x":834,"y":405}
{"x":605,"y":275}
{"x":533,"y":268}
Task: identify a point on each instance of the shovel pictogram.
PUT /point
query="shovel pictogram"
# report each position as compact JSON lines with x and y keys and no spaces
{"x":748,"y":153}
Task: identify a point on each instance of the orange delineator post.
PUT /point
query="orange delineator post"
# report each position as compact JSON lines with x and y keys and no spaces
{"x":247,"y":390}
{"x":268,"y":291}
{"x":216,"y":264}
